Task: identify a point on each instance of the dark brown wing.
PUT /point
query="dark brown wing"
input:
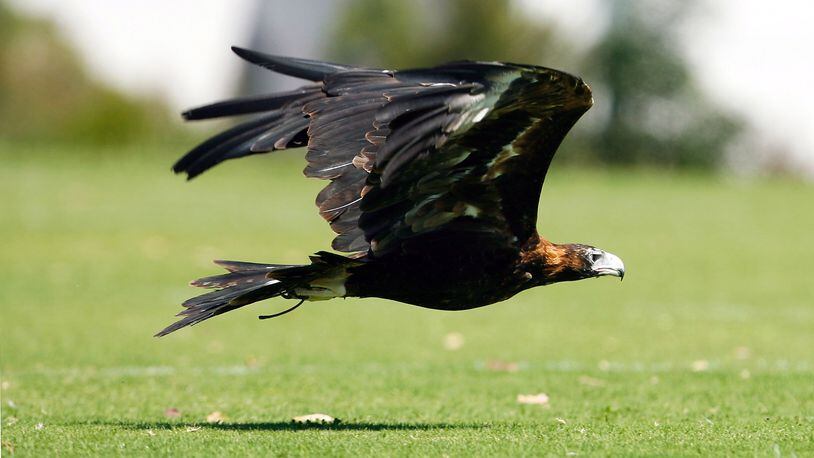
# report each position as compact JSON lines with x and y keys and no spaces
{"x":343,"y":120}
{"x":476,"y":169}
{"x":349,"y":132}
{"x":458,"y":148}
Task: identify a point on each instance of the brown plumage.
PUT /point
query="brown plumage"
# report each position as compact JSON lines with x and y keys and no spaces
{"x":435,"y":177}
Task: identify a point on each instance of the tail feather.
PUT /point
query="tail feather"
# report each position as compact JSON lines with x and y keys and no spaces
{"x":249,"y":282}
{"x":240,"y":266}
{"x":232,"y":295}
{"x":245,"y":283}
{"x":207,"y":305}
{"x":246,"y":273}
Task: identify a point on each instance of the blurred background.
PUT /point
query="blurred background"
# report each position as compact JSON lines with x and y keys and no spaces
{"x":697,"y":84}
{"x":695,"y":165}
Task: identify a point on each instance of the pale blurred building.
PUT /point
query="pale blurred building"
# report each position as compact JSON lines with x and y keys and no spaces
{"x":291,"y":29}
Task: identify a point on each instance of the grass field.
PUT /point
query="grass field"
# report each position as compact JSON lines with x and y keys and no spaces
{"x":706,"y":348}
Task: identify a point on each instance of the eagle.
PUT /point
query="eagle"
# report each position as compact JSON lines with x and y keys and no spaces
{"x":434,"y":178}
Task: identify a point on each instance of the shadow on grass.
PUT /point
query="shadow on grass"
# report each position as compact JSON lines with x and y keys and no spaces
{"x":291,"y":426}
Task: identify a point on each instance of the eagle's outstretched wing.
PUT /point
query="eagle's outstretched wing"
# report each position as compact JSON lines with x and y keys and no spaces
{"x":463,"y":147}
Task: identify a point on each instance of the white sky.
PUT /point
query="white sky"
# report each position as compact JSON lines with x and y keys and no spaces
{"x":754,"y":57}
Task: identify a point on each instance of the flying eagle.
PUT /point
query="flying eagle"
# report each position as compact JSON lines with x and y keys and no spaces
{"x":435,"y":177}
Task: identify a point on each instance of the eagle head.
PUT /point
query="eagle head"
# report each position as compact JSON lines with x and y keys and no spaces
{"x":548,"y":263}
{"x":598,"y":263}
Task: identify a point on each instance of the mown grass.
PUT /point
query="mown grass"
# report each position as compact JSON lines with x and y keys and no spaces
{"x":705,"y":348}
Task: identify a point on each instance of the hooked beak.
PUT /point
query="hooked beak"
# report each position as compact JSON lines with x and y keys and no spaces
{"x":609,"y":264}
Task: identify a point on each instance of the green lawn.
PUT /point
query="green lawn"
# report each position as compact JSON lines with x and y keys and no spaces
{"x":707,"y":347}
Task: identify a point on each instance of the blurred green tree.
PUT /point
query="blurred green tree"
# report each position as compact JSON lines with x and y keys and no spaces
{"x":652,"y":111}
{"x":46,"y":96}
{"x":424,"y":32}
{"x":655,"y":112}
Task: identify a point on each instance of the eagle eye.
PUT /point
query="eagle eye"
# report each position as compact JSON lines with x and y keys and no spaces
{"x":595,"y":256}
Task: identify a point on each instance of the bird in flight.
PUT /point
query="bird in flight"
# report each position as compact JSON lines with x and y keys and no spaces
{"x":435,"y":178}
